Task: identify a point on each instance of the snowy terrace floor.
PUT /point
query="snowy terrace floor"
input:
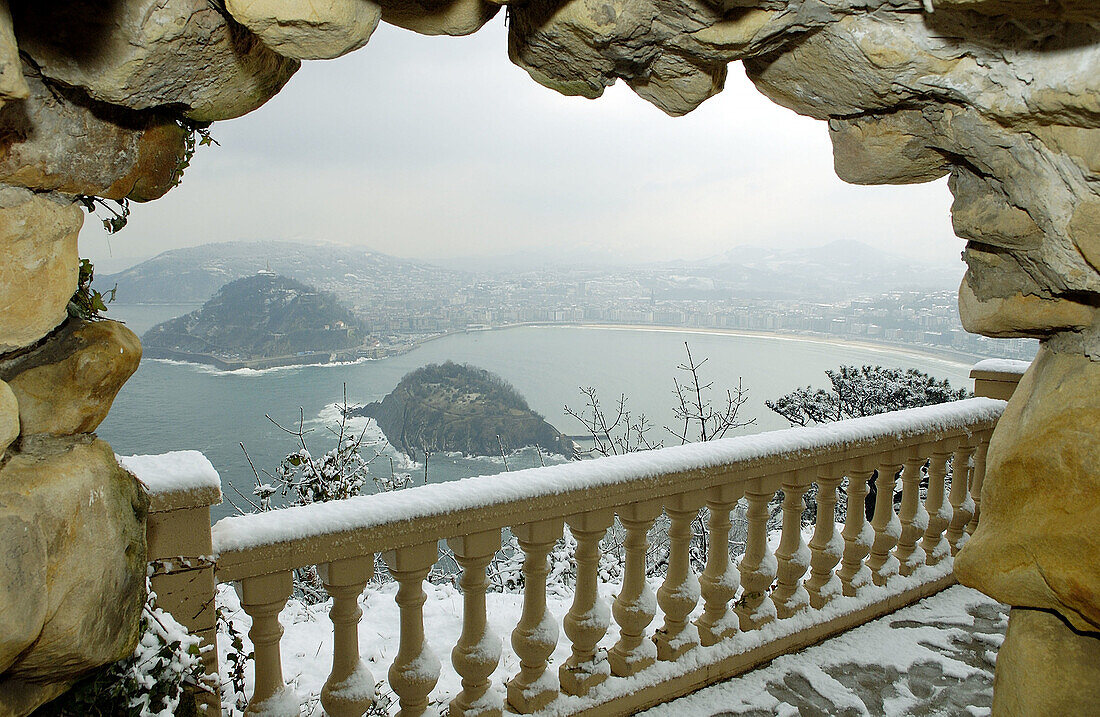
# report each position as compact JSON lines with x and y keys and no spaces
{"x":935,"y":657}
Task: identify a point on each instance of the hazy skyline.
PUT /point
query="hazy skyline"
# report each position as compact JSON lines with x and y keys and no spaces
{"x":427,"y":147}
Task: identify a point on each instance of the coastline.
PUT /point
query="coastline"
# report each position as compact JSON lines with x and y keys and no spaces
{"x":959,"y":358}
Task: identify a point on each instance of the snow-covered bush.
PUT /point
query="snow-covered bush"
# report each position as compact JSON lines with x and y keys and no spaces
{"x":158,"y":680}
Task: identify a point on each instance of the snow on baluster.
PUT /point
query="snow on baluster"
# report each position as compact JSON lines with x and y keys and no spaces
{"x":962,"y":505}
{"x":477,"y":653}
{"x":263,"y":598}
{"x":588,"y":617}
{"x":935,"y":545}
{"x":887,"y":527}
{"x":913,"y":517}
{"x":826,"y":545}
{"x":349,"y":690}
{"x":792,"y":555}
{"x":635,"y":605}
{"x":415,"y":670}
{"x":679,"y":593}
{"x":720,"y":580}
{"x":536,"y":635}
{"x":857,"y":534}
{"x":758,"y":566}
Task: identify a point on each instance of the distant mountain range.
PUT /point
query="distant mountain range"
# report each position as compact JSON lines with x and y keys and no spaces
{"x":367,"y":280}
{"x":194,"y":274}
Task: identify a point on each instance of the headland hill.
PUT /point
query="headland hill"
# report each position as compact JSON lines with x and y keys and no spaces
{"x":451,"y":407}
{"x":262,"y":321}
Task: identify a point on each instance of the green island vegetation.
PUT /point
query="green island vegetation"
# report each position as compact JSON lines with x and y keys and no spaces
{"x":455,"y":407}
{"x":260,"y":320}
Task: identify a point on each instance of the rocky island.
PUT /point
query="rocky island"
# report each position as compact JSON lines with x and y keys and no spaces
{"x":260,"y":321}
{"x":455,"y":407}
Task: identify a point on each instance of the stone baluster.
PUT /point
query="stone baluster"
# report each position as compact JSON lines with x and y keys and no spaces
{"x":477,"y":653}
{"x":263,"y":598}
{"x":887,"y":527}
{"x":536,"y":635}
{"x":962,"y":509}
{"x":679,"y":593}
{"x":588,"y":617}
{"x":415,"y":670}
{"x":720,"y":579}
{"x":349,"y":689}
{"x":914,"y":518}
{"x":938,"y":509}
{"x":635,"y":605}
{"x":792,"y":556}
{"x":977,"y":478}
{"x":758,"y":566}
{"x":826,"y":545}
{"x":857,"y":534}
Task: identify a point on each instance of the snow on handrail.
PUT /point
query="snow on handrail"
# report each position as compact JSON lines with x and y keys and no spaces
{"x":1010,"y":366}
{"x":510,"y":497}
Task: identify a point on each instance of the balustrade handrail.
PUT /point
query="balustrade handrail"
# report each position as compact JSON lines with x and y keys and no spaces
{"x":276,"y":541}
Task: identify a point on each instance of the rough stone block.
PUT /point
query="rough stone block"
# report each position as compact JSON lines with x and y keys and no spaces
{"x":68,"y":383}
{"x":38,"y":264}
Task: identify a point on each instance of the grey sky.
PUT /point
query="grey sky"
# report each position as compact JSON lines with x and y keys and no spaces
{"x":434,"y":147}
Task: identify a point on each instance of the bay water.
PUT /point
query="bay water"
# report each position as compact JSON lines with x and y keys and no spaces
{"x":170,"y":406}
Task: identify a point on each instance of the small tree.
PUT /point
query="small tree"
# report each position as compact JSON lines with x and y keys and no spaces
{"x":699,"y":418}
{"x":863,"y":391}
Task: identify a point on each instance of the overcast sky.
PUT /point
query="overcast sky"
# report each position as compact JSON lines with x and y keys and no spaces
{"x":433,"y":147}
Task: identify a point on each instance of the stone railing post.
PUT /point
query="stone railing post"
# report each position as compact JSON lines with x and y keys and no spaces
{"x":997,"y":379}
{"x":635,"y":605}
{"x":536,"y":635}
{"x":758,"y":566}
{"x":349,"y":689}
{"x":962,"y":508}
{"x":880,"y":561}
{"x":263,"y":598}
{"x":180,"y":554}
{"x":478,"y":650}
{"x":792,"y":555}
{"x":826,"y":545}
{"x":857,"y":534}
{"x":415,"y":669}
{"x":939,"y":510}
{"x":588,"y":617}
{"x":679,"y":593}
{"x":720,"y":580}
{"x":914,"y":518}
{"x":977,"y":479}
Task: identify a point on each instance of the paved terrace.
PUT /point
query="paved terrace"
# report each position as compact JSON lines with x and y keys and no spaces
{"x":935,"y":657}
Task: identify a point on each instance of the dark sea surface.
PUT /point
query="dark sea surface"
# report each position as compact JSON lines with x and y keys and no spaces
{"x":175,"y":406}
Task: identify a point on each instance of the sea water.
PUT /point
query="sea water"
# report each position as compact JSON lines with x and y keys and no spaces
{"x":175,"y":406}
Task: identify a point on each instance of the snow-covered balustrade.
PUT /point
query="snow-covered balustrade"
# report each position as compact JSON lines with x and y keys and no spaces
{"x":768,"y":603}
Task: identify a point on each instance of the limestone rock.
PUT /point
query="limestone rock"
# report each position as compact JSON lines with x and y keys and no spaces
{"x":9,"y":419}
{"x":1037,"y":543}
{"x":439,"y":17}
{"x":76,"y":595}
{"x":12,"y":84}
{"x":56,"y":139}
{"x":1074,"y":10}
{"x":318,"y":30}
{"x":23,"y":565}
{"x":38,"y":264}
{"x":1044,"y":667}
{"x":888,"y":149}
{"x":1021,"y":315}
{"x":582,"y":46}
{"x":153,"y":53}
{"x":67,"y":384}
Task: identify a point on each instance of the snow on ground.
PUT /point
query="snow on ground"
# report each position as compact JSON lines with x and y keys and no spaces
{"x":935,"y":657}
{"x":932,"y":658}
